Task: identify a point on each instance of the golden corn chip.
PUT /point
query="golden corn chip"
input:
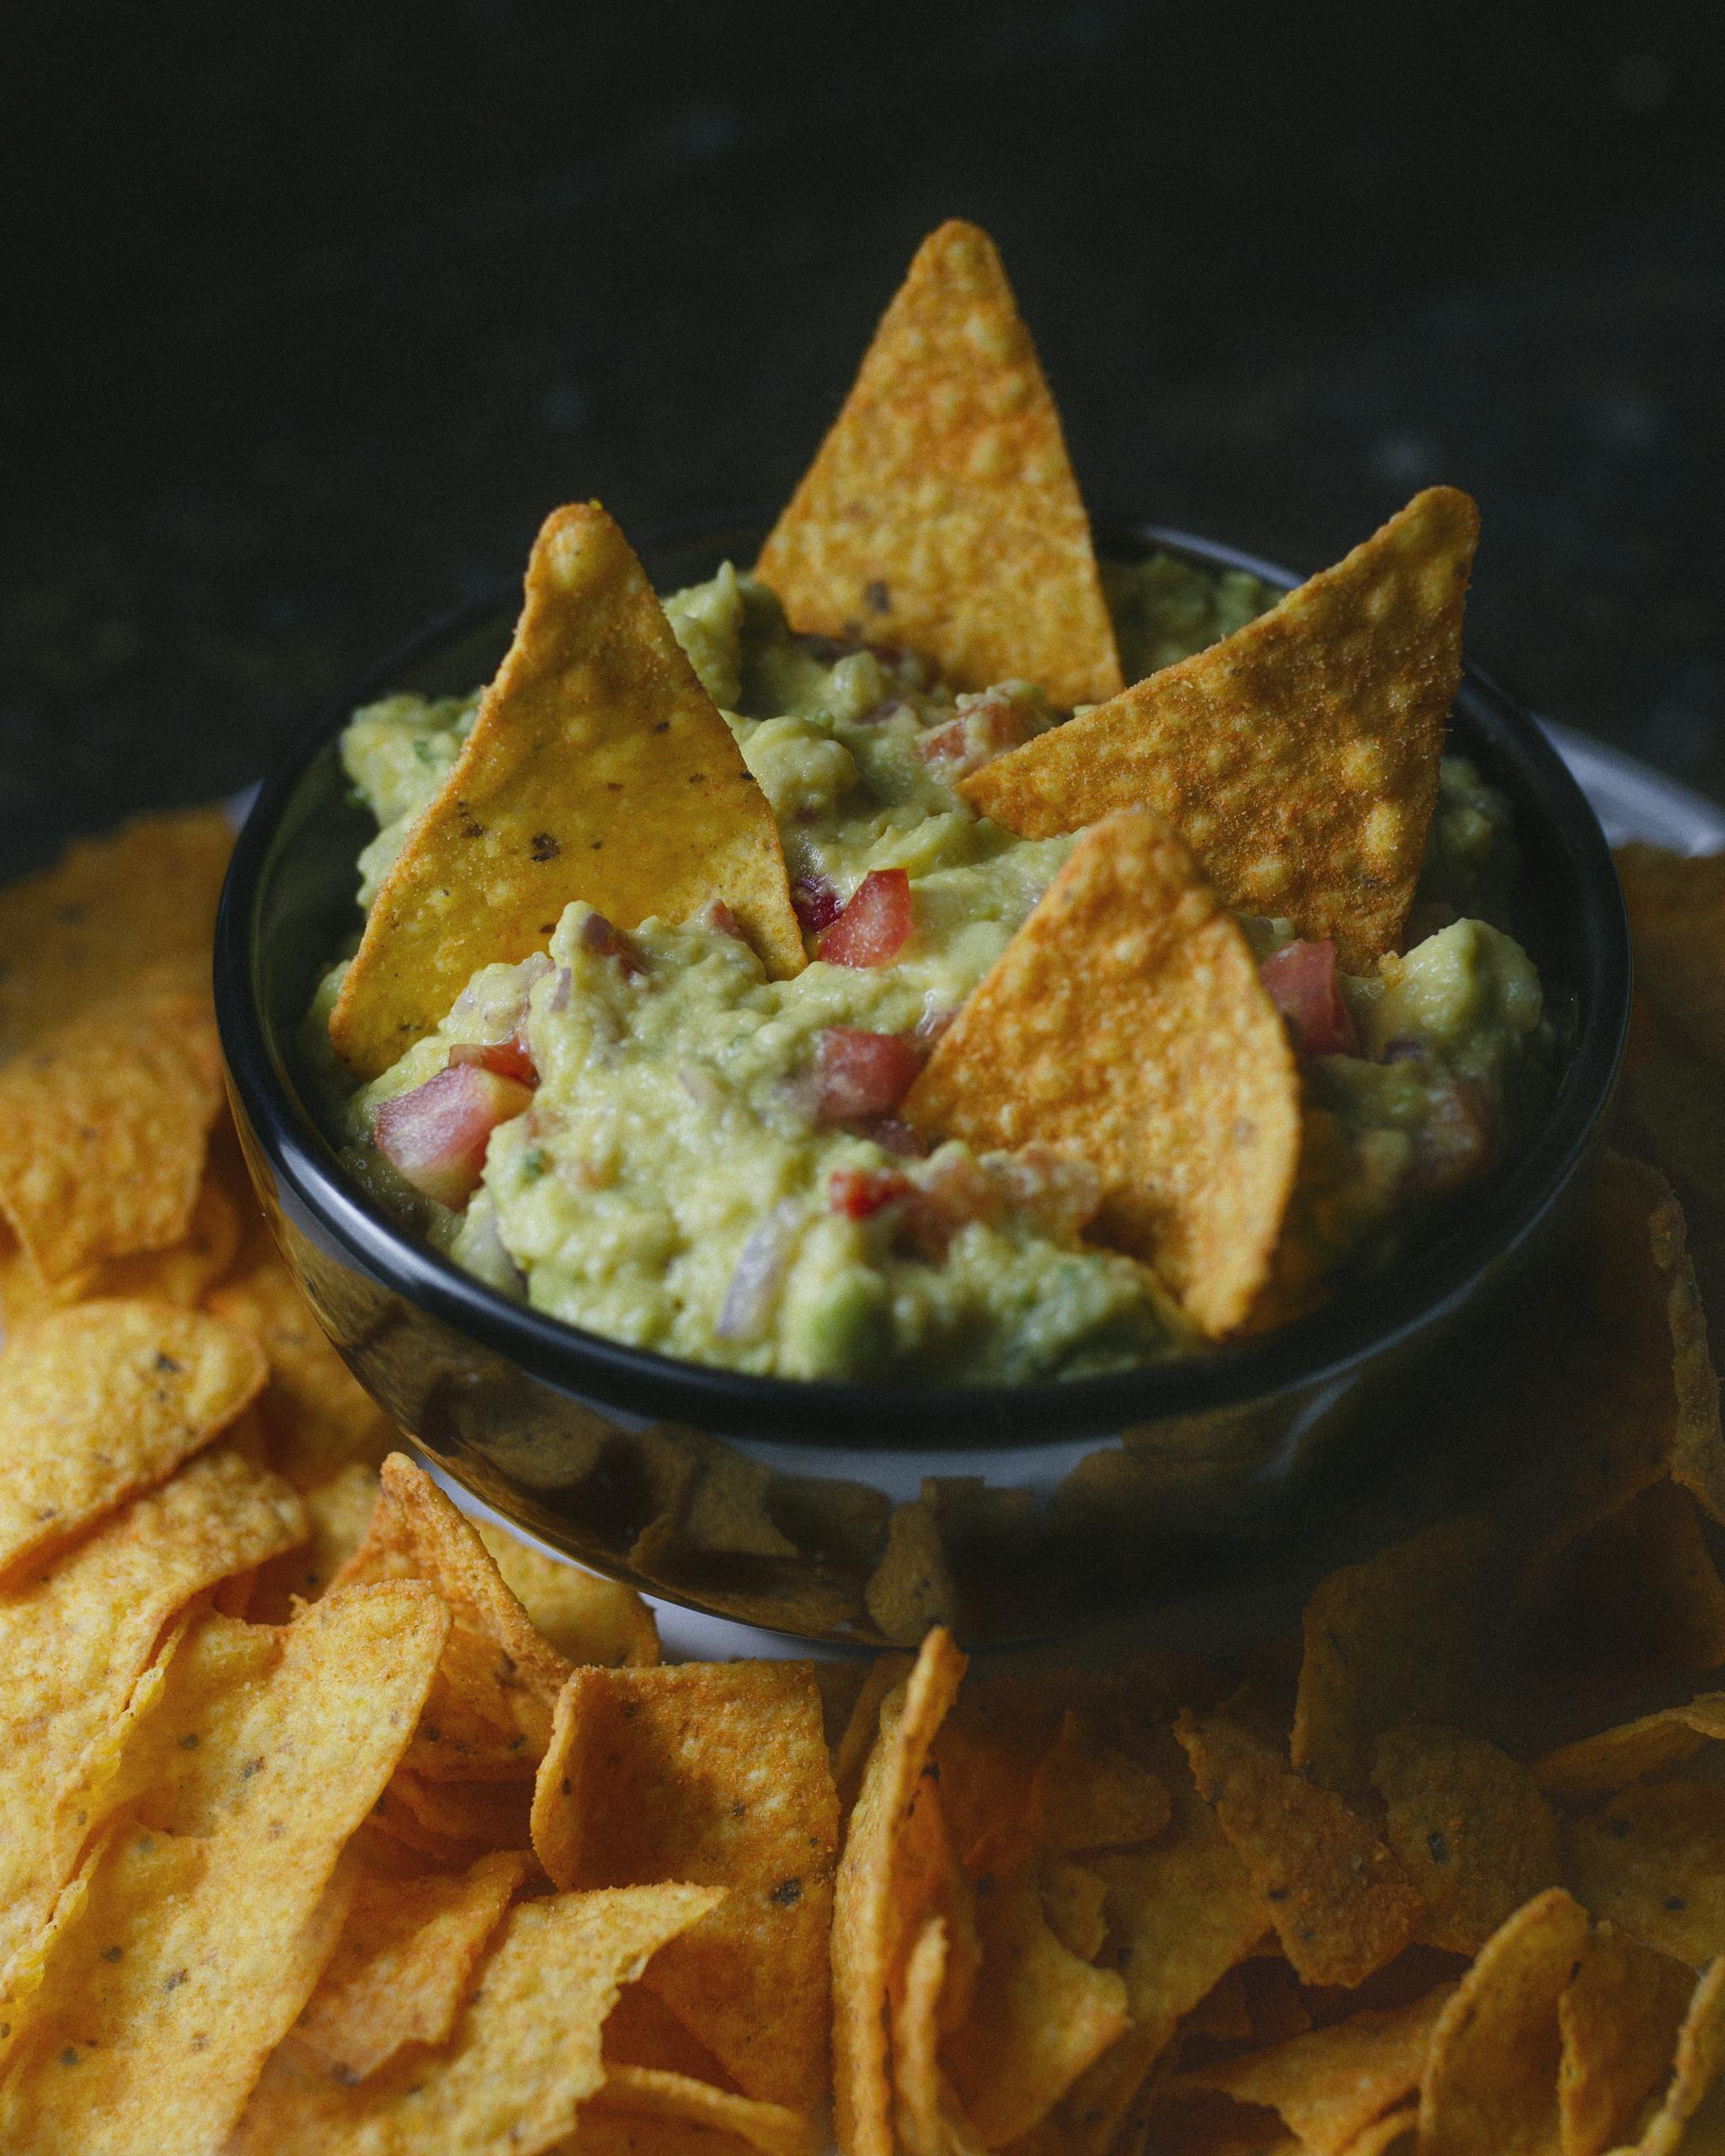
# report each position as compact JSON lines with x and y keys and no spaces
{"x":338,"y":1514}
{"x":460,"y":1820}
{"x":404,"y":1964}
{"x":718,"y":1773}
{"x":208,"y":1919}
{"x":885,"y":1673}
{"x":912,"y":1586}
{"x":1397,"y":2131}
{"x":102,"y":1124}
{"x":642,"y":2031}
{"x":1395,"y":1636}
{"x":523,"y":2055}
{"x":1699,"y":2061}
{"x":636,"y":2133}
{"x":1341,"y":1903}
{"x":1470,"y":1828}
{"x":183,"y":1274}
{"x":928,"y":1880}
{"x":1126,"y":1020}
{"x":1601,"y":1765}
{"x":1619,"y":2018}
{"x":653,"y":2092}
{"x":1074,"y":1900}
{"x":866,"y":1929}
{"x":77,"y":1637}
{"x":1653,"y":1862}
{"x":1087,"y":1795}
{"x":1184,"y":1911}
{"x":1039,"y":2016}
{"x":489,"y":1713}
{"x":1676,"y":906}
{"x":600,"y":769}
{"x":585,"y":1619}
{"x":1491,"y":2076}
{"x":102,"y":1401}
{"x":941,"y":513}
{"x":1330,"y":2086}
{"x":1298,"y":758}
{"x":929,"y":2120}
{"x":110,"y":908}
{"x":321,"y":1418}
{"x":1199,"y":2123}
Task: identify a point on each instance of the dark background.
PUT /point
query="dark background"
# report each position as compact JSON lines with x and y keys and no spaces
{"x":314,"y":309}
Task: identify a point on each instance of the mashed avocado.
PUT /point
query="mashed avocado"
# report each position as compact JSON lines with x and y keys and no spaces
{"x":708,"y":1163}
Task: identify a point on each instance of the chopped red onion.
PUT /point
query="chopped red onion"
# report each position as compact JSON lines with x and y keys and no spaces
{"x":760,"y":1273}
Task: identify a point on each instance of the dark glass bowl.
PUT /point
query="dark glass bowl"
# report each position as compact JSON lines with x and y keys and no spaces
{"x":858,"y":1512}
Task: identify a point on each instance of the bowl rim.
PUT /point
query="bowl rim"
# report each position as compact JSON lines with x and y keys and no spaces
{"x":1310,"y":1354}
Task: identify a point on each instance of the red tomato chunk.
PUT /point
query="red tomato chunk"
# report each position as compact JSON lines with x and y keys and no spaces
{"x":875,"y":924}
{"x":859,"y":1192}
{"x":859,"y":1074}
{"x":816,"y":903}
{"x":436,"y":1136}
{"x":1302,"y":981}
{"x":508,"y":1059}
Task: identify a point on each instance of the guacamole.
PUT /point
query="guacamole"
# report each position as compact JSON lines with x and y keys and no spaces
{"x":681,"y":1153}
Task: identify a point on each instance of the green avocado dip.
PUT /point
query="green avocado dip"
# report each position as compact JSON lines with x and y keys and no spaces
{"x":684,"y":1155}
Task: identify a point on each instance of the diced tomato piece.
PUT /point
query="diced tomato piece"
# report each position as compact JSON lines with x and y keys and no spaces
{"x":860,"y":1073}
{"x":718,"y":916}
{"x":818,"y":905}
{"x":875,"y":924}
{"x":860,"y":1193}
{"x":891,"y":1136}
{"x":1301,"y":980}
{"x":510,"y":1059}
{"x":436,"y":1136}
{"x":985,"y":725}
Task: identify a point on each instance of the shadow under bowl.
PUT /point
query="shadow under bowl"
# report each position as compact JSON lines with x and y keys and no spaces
{"x":860,"y":1513}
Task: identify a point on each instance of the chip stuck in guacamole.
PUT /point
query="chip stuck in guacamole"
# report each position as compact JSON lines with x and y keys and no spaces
{"x":760,"y":982}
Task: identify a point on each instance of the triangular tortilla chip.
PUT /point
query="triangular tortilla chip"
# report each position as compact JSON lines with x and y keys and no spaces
{"x":1298,"y":758}
{"x":1126,"y":1021}
{"x":598,"y":768}
{"x":941,"y":512}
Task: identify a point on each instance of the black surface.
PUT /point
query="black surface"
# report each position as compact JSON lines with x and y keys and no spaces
{"x":314,"y":310}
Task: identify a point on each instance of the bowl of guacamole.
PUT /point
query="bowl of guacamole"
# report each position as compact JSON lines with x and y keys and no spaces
{"x":691,"y":1292}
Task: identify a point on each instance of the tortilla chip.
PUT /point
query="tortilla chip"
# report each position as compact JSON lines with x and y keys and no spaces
{"x":1341,"y":1903}
{"x":911,"y":1587}
{"x":102,"y":1401}
{"x":1397,"y":1635}
{"x":1470,"y":1827}
{"x":76,"y":1639}
{"x":404,"y":1963}
{"x":718,"y":1773}
{"x":1600,"y":1765}
{"x":651,"y":2092}
{"x":1126,"y":1020}
{"x":183,"y":1274}
{"x":1619,"y":2016}
{"x":1088,"y":1795}
{"x":1074,"y":1900}
{"x":866,"y":1928}
{"x":600,"y":769}
{"x":1298,"y":758}
{"x":1491,"y":2078}
{"x":338,"y":1514}
{"x":110,"y":908}
{"x":884,"y":1675}
{"x":465,"y":1818}
{"x":1701,"y":2060}
{"x":523,"y":2055}
{"x":1331,"y":2085}
{"x":1653,"y":1862}
{"x":488,"y":1716}
{"x":642,"y":2031}
{"x":585,"y":1619}
{"x":1676,"y":907}
{"x":1039,"y":2017}
{"x":929,"y":2121}
{"x":941,"y":512}
{"x":103,"y":1125}
{"x":207,"y":1920}
{"x":321,"y":1418}
{"x":1386,"y":2134}
{"x":1182,"y":1911}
